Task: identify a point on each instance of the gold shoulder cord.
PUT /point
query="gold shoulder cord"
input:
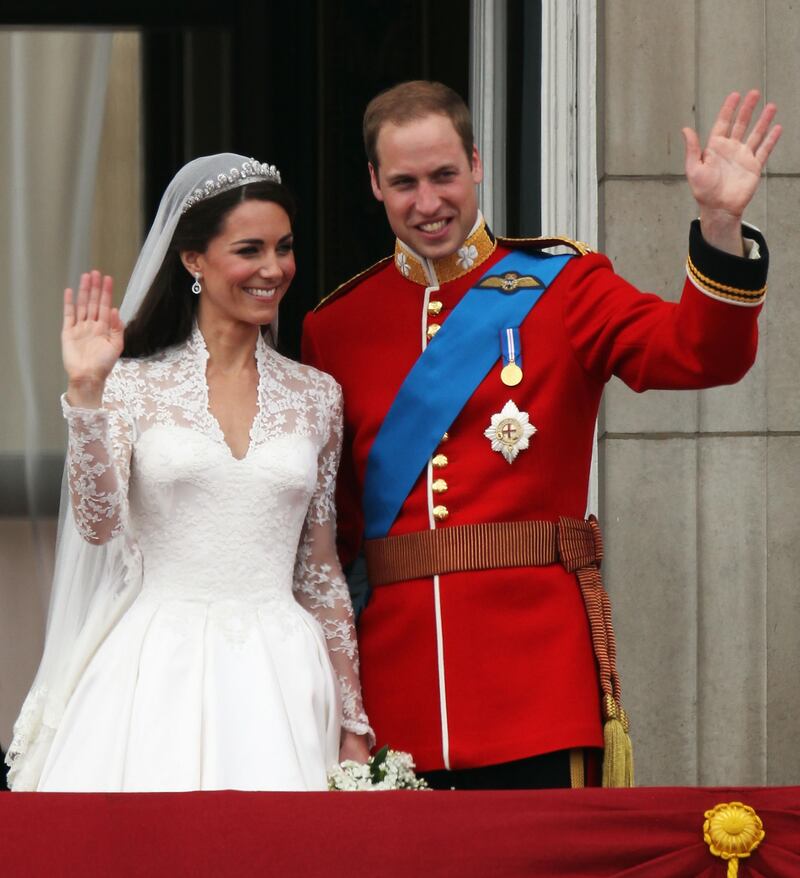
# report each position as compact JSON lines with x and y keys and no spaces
{"x":542,"y":243}
{"x":349,"y":284}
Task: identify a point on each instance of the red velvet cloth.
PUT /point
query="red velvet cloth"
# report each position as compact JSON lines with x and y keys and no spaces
{"x":641,"y":833}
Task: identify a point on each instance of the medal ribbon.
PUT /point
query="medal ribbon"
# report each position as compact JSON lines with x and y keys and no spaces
{"x":511,"y":345}
{"x":440,"y":382}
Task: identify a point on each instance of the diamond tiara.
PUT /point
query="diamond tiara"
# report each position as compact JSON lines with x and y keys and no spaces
{"x":248,"y":172}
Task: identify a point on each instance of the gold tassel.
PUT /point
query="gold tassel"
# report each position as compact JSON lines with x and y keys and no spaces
{"x":618,"y":749}
{"x":628,"y":747}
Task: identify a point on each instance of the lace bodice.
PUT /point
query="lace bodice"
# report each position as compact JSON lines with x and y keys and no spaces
{"x":152,"y":467}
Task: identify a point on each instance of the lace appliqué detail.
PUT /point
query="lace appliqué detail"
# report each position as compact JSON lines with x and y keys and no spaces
{"x":169,"y":390}
{"x":99,"y":465}
{"x":26,"y":723}
{"x":354,"y":719}
{"x":321,"y":588}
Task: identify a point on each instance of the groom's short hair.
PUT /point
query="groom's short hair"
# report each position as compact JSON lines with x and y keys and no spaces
{"x":413,"y":100}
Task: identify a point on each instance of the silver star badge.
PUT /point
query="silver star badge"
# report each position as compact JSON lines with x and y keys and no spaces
{"x":510,"y":431}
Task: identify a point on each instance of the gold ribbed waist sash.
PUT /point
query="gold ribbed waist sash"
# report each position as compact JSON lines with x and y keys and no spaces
{"x":486,"y":546}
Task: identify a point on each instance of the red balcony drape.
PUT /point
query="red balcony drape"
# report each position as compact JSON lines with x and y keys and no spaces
{"x":639,"y":833}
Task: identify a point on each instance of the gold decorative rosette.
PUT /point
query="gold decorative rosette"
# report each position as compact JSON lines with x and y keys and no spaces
{"x":732,"y":831}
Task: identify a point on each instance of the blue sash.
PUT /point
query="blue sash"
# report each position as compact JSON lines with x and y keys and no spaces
{"x":441,"y":381}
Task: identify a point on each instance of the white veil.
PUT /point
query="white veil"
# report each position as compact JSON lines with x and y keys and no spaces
{"x":94,"y":585}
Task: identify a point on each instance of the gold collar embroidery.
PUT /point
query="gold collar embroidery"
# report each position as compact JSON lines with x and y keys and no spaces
{"x":478,"y":247}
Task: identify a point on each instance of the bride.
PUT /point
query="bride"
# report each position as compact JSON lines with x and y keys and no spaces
{"x":200,"y":633}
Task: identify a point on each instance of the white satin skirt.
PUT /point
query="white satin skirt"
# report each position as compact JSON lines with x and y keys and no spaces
{"x":192,"y":695}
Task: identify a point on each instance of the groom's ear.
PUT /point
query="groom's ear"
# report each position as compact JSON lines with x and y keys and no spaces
{"x":375,"y":182}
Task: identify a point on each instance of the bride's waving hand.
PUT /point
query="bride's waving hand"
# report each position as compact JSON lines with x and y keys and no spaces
{"x":92,"y":338}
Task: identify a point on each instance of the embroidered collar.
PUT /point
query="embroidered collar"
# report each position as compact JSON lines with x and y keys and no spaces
{"x":478,"y":247}
{"x":196,"y":344}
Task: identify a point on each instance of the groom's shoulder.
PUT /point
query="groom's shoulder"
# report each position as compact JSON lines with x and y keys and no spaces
{"x":355,"y":281}
{"x":546,"y":242}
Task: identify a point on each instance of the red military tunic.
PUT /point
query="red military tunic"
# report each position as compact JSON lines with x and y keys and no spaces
{"x":470,"y":669}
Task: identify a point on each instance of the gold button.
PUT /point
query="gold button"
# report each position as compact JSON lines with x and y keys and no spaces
{"x":446,"y":437}
{"x":439,"y":486}
{"x":440,"y":460}
{"x":434,"y":308}
{"x":433,"y":329}
{"x":440,"y":513}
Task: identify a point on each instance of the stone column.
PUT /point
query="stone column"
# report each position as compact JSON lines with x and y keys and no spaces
{"x":700,"y":491}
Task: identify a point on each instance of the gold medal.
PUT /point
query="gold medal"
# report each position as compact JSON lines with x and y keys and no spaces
{"x":511,"y":374}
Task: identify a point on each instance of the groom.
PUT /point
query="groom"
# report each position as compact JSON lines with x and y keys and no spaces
{"x":472,"y":368}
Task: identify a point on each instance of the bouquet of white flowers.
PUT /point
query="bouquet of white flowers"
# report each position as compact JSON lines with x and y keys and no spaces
{"x":386,"y":770}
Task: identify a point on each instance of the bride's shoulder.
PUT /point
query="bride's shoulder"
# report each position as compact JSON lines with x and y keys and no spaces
{"x":128,"y":370}
{"x":144,"y":374}
{"x":308,"y":376}
{"x":133,"y":368}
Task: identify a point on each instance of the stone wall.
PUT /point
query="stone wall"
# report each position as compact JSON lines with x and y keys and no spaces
{"x":700,"y":491}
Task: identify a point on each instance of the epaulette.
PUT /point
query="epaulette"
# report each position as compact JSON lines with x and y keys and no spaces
{"x":349,"y":284}
{"x":543,"y":243}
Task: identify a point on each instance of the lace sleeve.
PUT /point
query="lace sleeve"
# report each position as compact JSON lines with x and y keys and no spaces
{"x":319,"y":583}
{"x":98,"y":465}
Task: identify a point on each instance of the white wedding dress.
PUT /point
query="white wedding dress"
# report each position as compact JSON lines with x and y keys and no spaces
{"x":236,"y":665}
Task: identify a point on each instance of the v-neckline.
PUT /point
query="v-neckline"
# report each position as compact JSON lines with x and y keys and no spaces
{"x":199,"y":343}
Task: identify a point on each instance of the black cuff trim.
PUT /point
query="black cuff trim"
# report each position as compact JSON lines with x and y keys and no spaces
{"x":725,"y":276}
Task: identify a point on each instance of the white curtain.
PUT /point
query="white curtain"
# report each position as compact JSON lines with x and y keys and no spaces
{"x":52,"y":98}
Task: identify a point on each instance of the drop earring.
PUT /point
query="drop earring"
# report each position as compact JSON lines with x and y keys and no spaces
{"x":196,"y":285}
